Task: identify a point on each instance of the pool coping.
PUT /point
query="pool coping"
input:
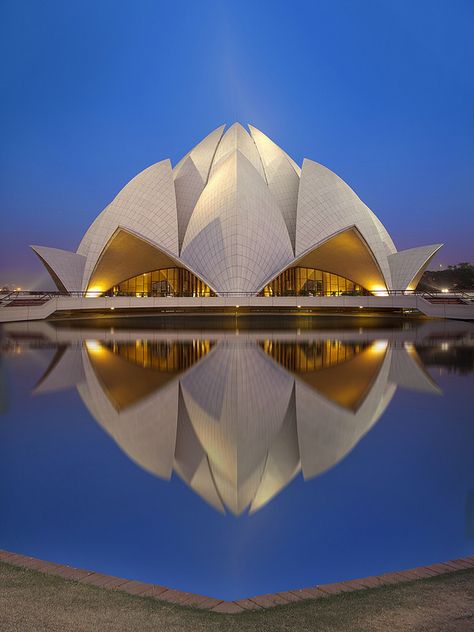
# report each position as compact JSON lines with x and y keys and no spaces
{"x":259,"y":602}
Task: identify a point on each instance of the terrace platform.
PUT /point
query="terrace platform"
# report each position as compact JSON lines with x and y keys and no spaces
{"x":24,"y":306}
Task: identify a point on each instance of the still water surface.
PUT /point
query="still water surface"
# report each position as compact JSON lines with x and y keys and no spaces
{"x":233,"y":459}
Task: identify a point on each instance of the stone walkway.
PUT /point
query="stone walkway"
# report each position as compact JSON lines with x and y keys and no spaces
{"x":258,"y":602}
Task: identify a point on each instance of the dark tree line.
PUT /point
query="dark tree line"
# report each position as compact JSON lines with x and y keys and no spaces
{"x":457,"y":277}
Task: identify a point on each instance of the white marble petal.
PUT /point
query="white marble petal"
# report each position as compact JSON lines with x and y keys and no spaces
{"x":283,"y":180}
{"x":327,"y":432}
{"x":190,"y":177}
{"x":327,"y":206}
{"x":66,"y":268}
{"x":145,"y":430}
{"x":65,"y":371}
{"x":237,"y":399}
{"x":235,"y":139}
{"x":236,"y":237}
{"x":407,"y":266}
{"x":146,"y":206}
{"x":407,"y":370}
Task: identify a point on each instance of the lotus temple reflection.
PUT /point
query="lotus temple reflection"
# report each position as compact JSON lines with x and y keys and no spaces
{"x":236,"y":457}
{"x":237,"y":417}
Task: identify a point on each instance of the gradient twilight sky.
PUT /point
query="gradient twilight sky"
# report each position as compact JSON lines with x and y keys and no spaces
{"x":380,"y":91}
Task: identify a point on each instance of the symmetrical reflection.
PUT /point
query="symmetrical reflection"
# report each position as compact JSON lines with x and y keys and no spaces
{"x":237,"y":417}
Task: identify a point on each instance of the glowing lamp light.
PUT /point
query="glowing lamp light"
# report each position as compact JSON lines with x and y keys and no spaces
{"x":93,"y":292}
{"x":298,"y":306}
{"x":379,"y":346}
{"x":94,"y":346}
{"x":237,"y":306}
{"x":445,"y":290}
{"x":112,"y":308}
{"x":361,"y":307}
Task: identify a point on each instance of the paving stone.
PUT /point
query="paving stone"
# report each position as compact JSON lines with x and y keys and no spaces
{"x":354,"y":584}
{"x":50,"y":568}
{"x":269,"y":601}
{"x":134,"y":588}
{"x":312,"y":592}
{"x":336,"y":588}
{"x":73,"y":573}
{"x":305,"y":593}
{"x":423,"y":572}
{"x":15,"y":559}
{"x":370,"y":582}
{"x":264,"y":601}
{"x":95,"y":579}
{"x":455,"y":565}
{"x":440,"y":568}
{"x":175,"y":596}
{"x":30,"y":562}
{"x":410,"y":574}
{"x":154,"y":591}
{"x":248,"y":604}
{"x":228,"y":607}
{"x":466,"y":563}
{"x":289,"y":596}
{"x":231,"y":607}
{"x":404,"y":576}
{"x":205,"y":603}
{"x":387,"y":579}
{"x":279,"y":599}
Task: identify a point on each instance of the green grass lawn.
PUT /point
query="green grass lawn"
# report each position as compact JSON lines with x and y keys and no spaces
{"x":32,"y":601}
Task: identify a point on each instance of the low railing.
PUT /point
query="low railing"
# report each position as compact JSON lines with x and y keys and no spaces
{"x":21,"y":297}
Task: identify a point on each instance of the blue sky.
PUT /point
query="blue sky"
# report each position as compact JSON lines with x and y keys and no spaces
{"x":380,"y":91}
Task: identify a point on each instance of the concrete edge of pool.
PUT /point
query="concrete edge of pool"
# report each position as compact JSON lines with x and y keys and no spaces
{"x":259,"y":602}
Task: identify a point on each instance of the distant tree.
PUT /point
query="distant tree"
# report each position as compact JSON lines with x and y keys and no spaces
{"x":456,"y":277}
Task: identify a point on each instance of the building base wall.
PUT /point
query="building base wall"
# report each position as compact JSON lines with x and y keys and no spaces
{"x":70,"y":305}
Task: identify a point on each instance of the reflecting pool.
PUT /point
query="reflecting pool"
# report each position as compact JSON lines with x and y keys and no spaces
{"x":237,"y":457}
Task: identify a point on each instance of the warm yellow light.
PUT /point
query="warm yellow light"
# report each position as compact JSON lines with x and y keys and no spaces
{"x":361,"y":307}
{"x":379,"y":346}
{"x":112,"y":308}
{"x":445,"y":290}
{"x":93,"y":292}
{"x":380,"y":290}
{"x":298,"y":306}
{"x":237,"y":306}
{"x":94,"y":346}
{"x":444,"y":346}
{"x":18,"y":289}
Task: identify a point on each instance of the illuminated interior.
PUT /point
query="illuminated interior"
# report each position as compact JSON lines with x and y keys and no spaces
{"x":129,"y":372}
{"x":311,"y":282}
{"x":343,"y":373}
{"x":164,"y":282}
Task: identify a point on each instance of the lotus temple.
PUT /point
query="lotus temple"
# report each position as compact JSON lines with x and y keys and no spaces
{"x":236,"y":215}
{"x":187,"y":402}
{"x":236,"y":218}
